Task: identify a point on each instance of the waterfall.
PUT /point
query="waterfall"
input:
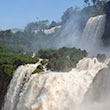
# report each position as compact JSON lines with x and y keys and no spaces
{"x":91,"y":38}
{"x":51,"y":90}
{"x":94,"y":28}
{"x":21,"y":76}
{"x":61,"y":90}
{"x":99,"y":92}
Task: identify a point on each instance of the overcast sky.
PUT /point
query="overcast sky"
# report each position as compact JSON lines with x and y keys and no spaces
{"x":17,"y":13}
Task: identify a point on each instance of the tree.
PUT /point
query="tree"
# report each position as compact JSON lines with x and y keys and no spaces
{"x":53,"y":24}
{"x":2,"y":47}
{"x":38,"y":25}
{"x":87,"y":2}
{"x":94,"y":1}
{"x":67,"y":14}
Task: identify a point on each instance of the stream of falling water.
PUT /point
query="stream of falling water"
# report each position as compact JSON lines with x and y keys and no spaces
{"x":58,"y":90}
{"x":51,"y":90}
{"x":91,"y":38}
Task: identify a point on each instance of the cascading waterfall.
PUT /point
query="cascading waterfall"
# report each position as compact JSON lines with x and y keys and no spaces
{"x":91,"y":38}
{"x":94,"y":28}
{"x":51,"y":90}
{"x":21,"y":76}
{"x":98,"y":95}
{"x":58,"y":90}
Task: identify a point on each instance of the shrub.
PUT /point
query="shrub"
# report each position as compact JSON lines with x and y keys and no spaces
{"x":37,"y":71}
{"x":40,"y":67}
{"x":63,"y":59}
{"x":43,"y":62}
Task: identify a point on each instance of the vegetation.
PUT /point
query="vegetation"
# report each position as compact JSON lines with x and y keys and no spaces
{"x":33,"y":37}
{"x":63,"y":59}
{"x":37,"y":71}
{"x":97,"y":6}
{"x":40,"y":67}
{"x":96,"y":2}
{"x":43,"y":62}
{"x":16,"y":48}
{"x":8,"y":63}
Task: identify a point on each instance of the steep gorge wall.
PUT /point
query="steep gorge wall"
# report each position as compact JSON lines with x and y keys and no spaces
{"x":99,"y":90}
{"x":98,"y":95}
{"x":106,"y":35}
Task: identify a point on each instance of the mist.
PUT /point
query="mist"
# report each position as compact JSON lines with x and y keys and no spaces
{"x":77,"y":28}
{"x":98,"y":97}
{"x":60,"y":79}
{"x":83,"y":31}
{"x":72,"y":29}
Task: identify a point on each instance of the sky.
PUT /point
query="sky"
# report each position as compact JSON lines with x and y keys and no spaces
{"x":17,"y":13}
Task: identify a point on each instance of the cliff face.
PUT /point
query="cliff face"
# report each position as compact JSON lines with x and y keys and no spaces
{"x":3,"y":89}
{"x":100,"y":88}
{"x":106,"y":35}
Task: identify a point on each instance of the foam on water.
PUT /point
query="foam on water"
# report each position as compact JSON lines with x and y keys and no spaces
{"x":51,"y":90}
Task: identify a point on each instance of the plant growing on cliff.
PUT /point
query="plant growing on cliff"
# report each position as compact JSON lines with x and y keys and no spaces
{"x":63,"y":59}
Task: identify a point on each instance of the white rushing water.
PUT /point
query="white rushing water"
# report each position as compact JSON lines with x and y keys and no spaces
{"x":98,"y":95}
{"x":91,"y":38}
{"x":58,"y":90}
{"x":51,"y":90}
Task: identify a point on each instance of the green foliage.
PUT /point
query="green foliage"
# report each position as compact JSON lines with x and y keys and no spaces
{"x":38,"y":25}
{"x":9,"y":62}
{"x":2,"y":47}
{"x":53,"y":24}
{"x":96,"y":2}
{"x":46,"y":54}
{"x":63,"y":59}
{"x":43,"y":62}
{"x":37,"y":71}
{"x":40,"y":67}
{"x":97,"y":7}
